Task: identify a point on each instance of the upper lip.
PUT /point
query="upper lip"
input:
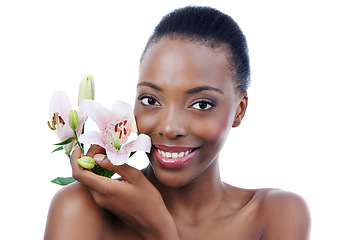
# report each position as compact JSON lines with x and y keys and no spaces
{"x":166,"y":148}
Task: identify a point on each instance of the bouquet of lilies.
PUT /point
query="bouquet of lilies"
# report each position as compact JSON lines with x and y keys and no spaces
{"x":115,"y":127}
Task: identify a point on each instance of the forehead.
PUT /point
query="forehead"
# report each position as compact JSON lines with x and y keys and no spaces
{"x":179,"y":62}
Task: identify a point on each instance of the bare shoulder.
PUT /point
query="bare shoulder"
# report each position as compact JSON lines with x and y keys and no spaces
{"x":73,"y":214}
{"x":285,"y":215}
{"x":281,"y":199}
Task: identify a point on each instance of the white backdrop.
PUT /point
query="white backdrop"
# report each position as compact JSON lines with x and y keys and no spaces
{"x":301,"y":131}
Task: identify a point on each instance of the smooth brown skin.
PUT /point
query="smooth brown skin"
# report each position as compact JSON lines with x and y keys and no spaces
{"x":190,"y":202}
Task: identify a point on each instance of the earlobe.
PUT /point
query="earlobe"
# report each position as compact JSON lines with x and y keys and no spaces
{"x":241,"y":109}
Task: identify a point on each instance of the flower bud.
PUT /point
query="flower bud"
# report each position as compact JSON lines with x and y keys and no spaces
{"x":86,"y":89}
{"x":73,"y":119}
{"x":86,"y":162}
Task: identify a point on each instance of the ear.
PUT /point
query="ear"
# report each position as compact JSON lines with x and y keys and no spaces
{"x":241,"y":109}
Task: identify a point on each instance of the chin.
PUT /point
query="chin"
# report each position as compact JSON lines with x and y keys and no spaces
{"x":173,"y":178}
{"x":176,"y":177}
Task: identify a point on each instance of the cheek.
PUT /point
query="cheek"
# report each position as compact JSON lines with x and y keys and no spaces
{"x":145,"y":122}
{"x":213,"y":130}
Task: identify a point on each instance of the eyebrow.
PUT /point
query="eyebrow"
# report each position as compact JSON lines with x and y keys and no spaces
{"x":203,"y":88}
{"x":151,"y":85}
{"x":190,"y":91}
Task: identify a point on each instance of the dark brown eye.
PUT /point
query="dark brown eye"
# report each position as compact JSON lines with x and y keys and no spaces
{"x":149,"y":101}
{"x":202,"y":105}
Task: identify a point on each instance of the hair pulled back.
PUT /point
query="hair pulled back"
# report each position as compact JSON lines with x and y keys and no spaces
{"x":212,"y":28}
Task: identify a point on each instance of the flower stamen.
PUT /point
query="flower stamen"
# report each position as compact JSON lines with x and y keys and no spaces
{"x":120,"y":134}
{"x":57,"y":122}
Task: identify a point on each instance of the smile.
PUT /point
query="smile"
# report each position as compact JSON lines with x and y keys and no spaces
{"x":174,"y":154}
{"x":173,"y":157}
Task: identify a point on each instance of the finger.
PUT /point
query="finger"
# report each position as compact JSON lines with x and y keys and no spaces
{"x":126,"y":171}
{"x":101,"y":188}
{"x":76,"y":154}
{"x":87,"y":177}
{"x":79,"y":173}
{"x":77,"y":170}
{"x":95,"y":149}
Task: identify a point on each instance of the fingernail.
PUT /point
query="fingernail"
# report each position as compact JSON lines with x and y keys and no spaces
{"x":99,"y":157}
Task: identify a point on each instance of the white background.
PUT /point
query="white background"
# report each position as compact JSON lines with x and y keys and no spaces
{"x":301,"y":131}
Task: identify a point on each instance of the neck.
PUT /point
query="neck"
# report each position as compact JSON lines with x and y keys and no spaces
{"x":197,"y":199}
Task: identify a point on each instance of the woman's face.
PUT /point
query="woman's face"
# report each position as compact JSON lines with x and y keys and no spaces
{"x":186,"y":103}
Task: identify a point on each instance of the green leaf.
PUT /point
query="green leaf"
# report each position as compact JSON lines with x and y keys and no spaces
{"x":132,"y":153}
{"x":103,"y":172}
{"x":67,"y":141}
{"x":58,"y":149}
{"x":63,"y":180}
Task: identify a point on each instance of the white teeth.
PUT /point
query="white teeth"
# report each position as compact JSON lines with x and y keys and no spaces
{"x":173,"y":154}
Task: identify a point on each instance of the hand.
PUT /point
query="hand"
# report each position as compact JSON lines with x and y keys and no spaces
{"x":133,"y":198}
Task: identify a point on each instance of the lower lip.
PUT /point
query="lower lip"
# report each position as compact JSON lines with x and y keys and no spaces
{"x":173,"y":162}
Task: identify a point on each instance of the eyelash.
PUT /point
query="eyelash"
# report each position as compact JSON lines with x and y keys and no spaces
{"x":141,"y":98}
{"x":210,"y":104}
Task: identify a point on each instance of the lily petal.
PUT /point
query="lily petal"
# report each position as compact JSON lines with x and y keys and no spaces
{"x":118,"y":157}
{"x":82,"y":109}
{"x":121,"y":110}
{"x":60,"y":103}
{"x":82,"y":117}
{"x":97,"y":112}
{"x":92,"y":137}
{"x":141,"y":143}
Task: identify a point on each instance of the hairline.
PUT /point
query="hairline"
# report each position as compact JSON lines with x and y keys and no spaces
{"x":210,"y":43}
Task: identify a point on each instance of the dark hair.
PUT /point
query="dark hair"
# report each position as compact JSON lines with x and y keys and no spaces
{"x":211,"y":27}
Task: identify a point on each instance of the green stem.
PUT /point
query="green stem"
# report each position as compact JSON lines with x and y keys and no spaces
{"x":68,"y":154}
{"x":78,"y":143}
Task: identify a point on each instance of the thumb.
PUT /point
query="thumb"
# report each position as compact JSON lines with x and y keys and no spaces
{"x":74,"y":156}
{"x":126,"y":171}
{"x":76,"y":168}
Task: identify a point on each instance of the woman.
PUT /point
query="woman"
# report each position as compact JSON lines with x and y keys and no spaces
{"x":193,"y":79}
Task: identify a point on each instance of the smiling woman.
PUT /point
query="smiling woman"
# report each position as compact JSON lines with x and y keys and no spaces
{"x":193,"y":79}
{"x":193,"y":98}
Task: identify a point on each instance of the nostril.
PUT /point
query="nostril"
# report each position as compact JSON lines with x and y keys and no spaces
{"x":173,"y":132}
{"x":171,"y":125}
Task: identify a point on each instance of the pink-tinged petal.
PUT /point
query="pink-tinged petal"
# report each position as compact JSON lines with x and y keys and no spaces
{"x":65,"y":133}
{"x":133,"y":126}
{"x":82,"y":116}
{"x":69,"y":147}
{"x":92,"y":137}
{"x":100,"y":114}
{"x":122,"y":110}
{"x":118,"y":157}
{"x":60,"y":103}
{"x":141,"y":143}
{"x":82,"y":109}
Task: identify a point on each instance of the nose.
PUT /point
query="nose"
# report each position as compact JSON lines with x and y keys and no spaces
{"x":172,"y":123}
